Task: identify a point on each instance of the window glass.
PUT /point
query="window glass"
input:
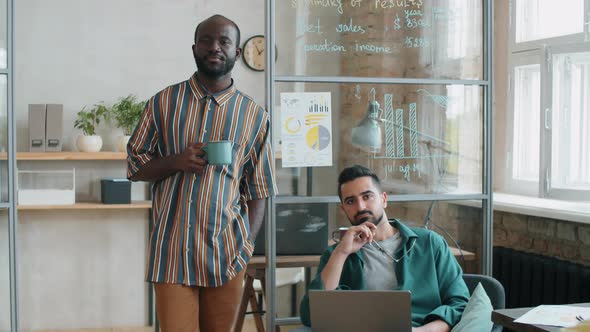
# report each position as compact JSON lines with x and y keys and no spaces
{"x":571,"y":121}
{"x":413,"y":38}
{"x":458,"y":222}
{"x":307,"y":228}
{"x":3,"y":139}
{"x":3,"y":34}
{"x":539,"y":19}
{"x":526,"y":139}
{"x":420,"y":139}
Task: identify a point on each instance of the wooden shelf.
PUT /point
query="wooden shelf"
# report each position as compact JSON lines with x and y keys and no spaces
{"x":67,"y":155}
{"x":467,"y":255}
{"x":78,"y":155}
{"x":88,"y":206}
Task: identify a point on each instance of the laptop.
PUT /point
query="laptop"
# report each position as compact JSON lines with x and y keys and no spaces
{"x":352,"y":311}
{"x":301,"y":229}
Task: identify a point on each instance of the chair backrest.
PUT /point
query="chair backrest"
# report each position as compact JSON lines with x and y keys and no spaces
{"x":493,"y":288}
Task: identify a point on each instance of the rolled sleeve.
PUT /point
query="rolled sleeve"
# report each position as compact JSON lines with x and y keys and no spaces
{"x":259,"y":182}
{"x":142,"y":146}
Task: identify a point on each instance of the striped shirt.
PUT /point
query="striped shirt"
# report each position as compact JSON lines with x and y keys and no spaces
{"x":200,"y":231}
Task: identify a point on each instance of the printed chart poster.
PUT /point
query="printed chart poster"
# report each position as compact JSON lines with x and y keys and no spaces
{"x":306,"y":129}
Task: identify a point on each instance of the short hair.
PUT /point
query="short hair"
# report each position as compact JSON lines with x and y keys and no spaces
{"x":225,"y":18}
{"x":354,"y":172}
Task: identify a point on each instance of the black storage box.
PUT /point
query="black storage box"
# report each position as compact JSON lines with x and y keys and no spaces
{"x":301,"y":229}
{"x":115,"y":191}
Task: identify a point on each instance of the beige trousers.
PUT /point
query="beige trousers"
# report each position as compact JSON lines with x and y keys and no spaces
{"x":192,"y":309}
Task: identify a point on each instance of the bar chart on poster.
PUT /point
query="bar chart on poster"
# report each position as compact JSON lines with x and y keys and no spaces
{"x":306,"y":132}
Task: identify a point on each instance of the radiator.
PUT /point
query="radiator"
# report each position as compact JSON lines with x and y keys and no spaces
{"x":531,"y":279}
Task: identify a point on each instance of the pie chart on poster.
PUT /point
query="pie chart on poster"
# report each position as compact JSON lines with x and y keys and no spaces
{"x":318,"y":138}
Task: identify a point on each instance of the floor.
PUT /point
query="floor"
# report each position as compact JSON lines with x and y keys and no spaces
{"x":248,"y":327}
{"x":284,"y":310}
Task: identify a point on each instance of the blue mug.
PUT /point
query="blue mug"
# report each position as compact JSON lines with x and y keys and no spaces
{"x":218,"y":152}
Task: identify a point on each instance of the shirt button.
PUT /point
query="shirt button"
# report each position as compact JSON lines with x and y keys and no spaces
{"x":188,"y":249}
{"x":205,"y":130}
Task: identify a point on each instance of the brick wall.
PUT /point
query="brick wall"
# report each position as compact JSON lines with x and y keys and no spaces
{"x":557,"y":238}
{"x":562,"y":239}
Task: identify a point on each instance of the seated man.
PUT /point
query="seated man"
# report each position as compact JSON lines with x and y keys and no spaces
{"x":378,"y":254}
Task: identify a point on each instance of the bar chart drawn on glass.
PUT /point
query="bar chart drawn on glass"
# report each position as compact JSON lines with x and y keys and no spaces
{"x":306,"y":129}
{"x":402,"y":137}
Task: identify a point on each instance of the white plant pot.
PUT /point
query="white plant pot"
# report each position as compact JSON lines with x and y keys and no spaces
{"x":89,"y":143}
{"x":122,"y":143}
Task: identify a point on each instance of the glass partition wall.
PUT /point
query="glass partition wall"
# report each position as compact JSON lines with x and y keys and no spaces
{"x":402,"y":87}
{"x":8,"y":303}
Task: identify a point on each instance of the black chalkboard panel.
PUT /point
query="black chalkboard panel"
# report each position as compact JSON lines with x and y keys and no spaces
{"x":302,"y":229}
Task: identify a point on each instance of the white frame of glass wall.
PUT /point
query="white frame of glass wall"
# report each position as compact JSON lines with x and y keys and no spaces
{"x":485,"y":196}
{"x":11,"y":204}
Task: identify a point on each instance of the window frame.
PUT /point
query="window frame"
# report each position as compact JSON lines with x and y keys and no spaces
{"x":529,"y":52}
{"x":522,"y":187}
{"x":545,"y":186}
{"x":515,"y":47}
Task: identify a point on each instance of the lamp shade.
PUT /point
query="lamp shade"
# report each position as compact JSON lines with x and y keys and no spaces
{"x":367,"y":134}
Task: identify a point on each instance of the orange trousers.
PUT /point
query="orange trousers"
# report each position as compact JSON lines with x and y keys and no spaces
{"x":192,"y":309}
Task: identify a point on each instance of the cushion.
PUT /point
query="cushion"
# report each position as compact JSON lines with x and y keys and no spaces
{"x":477,"y":315}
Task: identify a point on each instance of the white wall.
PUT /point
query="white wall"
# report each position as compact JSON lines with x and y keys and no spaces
{"x":81,"y":52}
{"x":84,"y":269}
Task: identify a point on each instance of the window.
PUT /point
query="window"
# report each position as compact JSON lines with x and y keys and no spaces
{"x":549,"y":103}
{"x":527,"y":91}
{"x":542,"y":19}
{"x":571,"y":121}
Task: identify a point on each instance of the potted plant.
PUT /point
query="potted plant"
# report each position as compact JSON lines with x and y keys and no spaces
{"x":87,"y":121}
{"x":126,"y":113}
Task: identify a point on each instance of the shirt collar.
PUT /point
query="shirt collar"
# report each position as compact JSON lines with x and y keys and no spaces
{"x":201,"y":92}
{"x":405,"y":231}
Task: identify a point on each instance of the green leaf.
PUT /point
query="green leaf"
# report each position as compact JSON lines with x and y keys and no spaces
{"x":127,"y":113}
{"x":87,"y":121}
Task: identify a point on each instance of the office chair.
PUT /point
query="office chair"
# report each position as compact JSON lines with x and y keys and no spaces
{"x":493,"y":288}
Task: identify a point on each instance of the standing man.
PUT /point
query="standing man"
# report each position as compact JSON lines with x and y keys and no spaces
{"x":205,"y":217}
{"x":381,"y":254}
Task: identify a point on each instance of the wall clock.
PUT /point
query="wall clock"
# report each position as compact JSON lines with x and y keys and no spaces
{"x":254,"y":52}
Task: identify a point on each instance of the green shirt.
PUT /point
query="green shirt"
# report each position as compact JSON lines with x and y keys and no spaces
{"x":427,"y":269}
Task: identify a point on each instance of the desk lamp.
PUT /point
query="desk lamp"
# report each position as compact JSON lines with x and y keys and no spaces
{"x":367,"y":134}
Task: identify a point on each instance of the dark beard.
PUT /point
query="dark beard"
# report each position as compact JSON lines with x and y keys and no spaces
{"x":371,"y":218}
{"x":215,"y":72}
